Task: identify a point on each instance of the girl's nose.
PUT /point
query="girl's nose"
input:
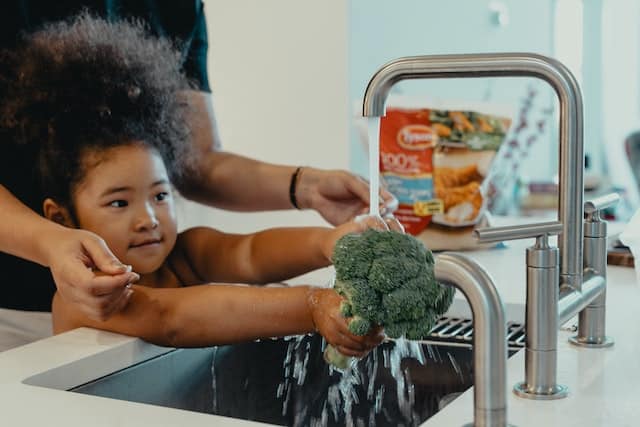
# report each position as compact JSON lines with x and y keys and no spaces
{"x":148,"y":220}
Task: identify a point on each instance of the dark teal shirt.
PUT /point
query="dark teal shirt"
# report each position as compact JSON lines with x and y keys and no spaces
{"x":25,"y":285}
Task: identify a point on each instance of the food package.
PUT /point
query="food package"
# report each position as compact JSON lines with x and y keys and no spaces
{"x":435,"y":161}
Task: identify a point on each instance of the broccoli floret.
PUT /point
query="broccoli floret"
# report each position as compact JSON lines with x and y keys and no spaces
{"x":389,"y":272}
{"x":395,"y":245}
{"x":412,"y":329}
{"x":346,"y":253}
{"x":362,"y":301}
{"x":387,"y":279}
{"x":405,"y":304}
{"x":444,"y":300}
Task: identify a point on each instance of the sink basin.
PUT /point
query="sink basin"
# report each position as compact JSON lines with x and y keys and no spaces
{"x":287,"y":382}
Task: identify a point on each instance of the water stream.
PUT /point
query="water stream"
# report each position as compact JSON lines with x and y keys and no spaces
{"x":343,"y":395}
{"x":373,"y":127}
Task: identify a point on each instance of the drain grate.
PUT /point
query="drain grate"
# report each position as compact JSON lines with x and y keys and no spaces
{"x":460,"y":330}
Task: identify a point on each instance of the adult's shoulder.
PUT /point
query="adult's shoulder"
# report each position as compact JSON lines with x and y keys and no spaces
{"x":185,"y":23}
{"x":166,"y":17}
{"x":182,"y":21}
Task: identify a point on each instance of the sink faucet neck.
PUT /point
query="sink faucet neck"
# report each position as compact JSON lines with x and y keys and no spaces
{"x":571,"y":151}
{"x":489,"y":341}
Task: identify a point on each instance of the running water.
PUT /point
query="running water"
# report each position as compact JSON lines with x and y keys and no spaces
{"x":354,"y":397}
{"x":287,"y":382}
{"x":214,"y":401}
{"x":295,"y":367}
{"x":373,"y":125}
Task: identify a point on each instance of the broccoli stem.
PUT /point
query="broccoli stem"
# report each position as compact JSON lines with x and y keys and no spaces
{"x":337,"y":359}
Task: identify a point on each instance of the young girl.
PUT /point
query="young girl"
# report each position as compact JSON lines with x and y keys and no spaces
{"x":97,"y":104}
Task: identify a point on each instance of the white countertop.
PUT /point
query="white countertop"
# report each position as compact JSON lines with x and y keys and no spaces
{"x":603,"y":383}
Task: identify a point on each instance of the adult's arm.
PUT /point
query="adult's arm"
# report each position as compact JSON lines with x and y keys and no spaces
{"x":71,"y":254}
{"x":230,"y":181}
{"x":226,"y":180}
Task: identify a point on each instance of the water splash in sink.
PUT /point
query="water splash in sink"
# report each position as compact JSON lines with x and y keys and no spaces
{"x":312,"y":393}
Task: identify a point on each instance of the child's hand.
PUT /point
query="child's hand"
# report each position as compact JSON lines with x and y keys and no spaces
{"x":359,"y":225}
{"x":324,"y":305}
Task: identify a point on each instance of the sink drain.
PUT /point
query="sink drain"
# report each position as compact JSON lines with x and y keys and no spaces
{"x":460,"y":330}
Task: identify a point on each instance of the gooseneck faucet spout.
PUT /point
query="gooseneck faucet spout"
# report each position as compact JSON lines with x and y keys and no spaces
{"x":489,"y":340}
{"x":571,"y":122}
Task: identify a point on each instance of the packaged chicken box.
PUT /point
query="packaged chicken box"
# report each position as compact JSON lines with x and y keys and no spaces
{"x":435,"y":161}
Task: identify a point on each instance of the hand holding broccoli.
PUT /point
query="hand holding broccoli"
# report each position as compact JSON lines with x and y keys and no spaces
{"x":334,"y":327}
{"x":387,"y":279}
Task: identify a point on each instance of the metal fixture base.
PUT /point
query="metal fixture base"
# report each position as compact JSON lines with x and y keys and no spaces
{"x":582,"y":342}
{"x":522,"y":390}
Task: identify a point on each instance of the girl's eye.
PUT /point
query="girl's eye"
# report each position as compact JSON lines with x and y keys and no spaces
{"x":118,"y":203}
{"x":162,"y":196}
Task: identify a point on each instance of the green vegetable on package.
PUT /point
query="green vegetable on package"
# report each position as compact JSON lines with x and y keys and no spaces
{"x":387,"y":279}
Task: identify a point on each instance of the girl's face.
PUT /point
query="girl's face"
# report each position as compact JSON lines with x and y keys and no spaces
{"x":126,"y":199}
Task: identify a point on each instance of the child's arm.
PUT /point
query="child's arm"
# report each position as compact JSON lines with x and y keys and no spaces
{"x":267,"y":256}
{"x":207,"y":315}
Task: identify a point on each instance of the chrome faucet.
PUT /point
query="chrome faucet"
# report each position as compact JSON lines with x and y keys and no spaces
{"x":489,"y":339}
{"x":541,"y":317}
{"x":556,"y":289}
{"x":550,"y":305}
{"x":512,"y":65}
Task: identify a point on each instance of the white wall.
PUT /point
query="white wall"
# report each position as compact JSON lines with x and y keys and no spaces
{"x":278,"y":72}
{"x":620,"y":88}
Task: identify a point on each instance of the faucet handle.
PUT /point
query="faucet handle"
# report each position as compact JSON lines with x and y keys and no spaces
{"x":593,"y":207}
{"x":516,"y":232}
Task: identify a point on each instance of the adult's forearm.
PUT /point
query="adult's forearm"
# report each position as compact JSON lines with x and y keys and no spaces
{"x":227,"y":180}
{"x":22,"y":231}
{"x":238,"y":183}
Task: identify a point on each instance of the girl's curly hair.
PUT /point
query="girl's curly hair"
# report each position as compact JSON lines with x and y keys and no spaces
{"x":86,"y":85}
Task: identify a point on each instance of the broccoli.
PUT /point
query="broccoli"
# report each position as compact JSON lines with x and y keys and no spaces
{"x":387,"y":279}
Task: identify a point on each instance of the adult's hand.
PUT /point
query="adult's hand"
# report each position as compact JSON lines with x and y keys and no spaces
{"x":338,"y":195}
{"x":87,"y":274}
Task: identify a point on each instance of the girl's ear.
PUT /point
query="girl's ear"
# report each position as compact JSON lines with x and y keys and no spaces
{"x":57,"y":213}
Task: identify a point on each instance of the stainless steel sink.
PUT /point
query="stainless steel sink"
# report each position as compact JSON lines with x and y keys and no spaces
{"x":286,"y":382}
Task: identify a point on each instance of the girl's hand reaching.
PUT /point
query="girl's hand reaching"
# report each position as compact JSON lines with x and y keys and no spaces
{"x":324,"y":305}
